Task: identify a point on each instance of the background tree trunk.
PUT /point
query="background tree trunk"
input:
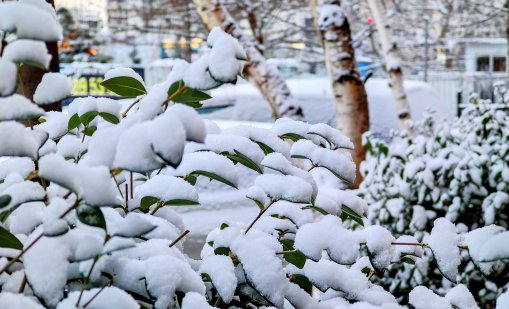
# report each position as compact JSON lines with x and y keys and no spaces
{"x":30,"y":77}
{"x":266,"y":78}
{"x":352,"y":113}
{"x":392,"y":63}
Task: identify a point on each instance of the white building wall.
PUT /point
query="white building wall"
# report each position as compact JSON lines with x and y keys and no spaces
{"x":83,"y":9}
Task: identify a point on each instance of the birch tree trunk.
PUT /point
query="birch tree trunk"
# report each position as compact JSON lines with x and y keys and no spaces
{"x":392,"y":63}
{"x":352,"y":114}
{"x":266,"y":78}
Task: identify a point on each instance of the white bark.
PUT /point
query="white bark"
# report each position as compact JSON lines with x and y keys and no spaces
{"x":392,"y":63}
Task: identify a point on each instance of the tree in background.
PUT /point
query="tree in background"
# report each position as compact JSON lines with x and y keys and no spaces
{"x":266,"y":78}
{"x":352,"y":112}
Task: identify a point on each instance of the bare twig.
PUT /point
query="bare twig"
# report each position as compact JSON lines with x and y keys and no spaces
{"x":179,"y":238}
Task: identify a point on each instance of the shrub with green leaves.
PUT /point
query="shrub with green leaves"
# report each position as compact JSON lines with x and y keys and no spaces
{"x":88,"y":199}
{"x":457,"y":170}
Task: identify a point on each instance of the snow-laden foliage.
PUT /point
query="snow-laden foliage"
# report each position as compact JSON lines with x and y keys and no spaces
{"x":455,"y":170}
{"x":86,"y":200}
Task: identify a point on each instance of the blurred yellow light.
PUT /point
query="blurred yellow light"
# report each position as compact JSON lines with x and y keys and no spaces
{"x":298,"y":45}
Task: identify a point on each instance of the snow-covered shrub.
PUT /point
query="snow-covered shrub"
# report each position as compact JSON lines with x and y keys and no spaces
{"x":458,"y":170}
{"x":87,"y":200}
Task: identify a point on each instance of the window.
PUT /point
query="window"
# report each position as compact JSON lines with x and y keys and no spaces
{"x":499,"y":64}
{"x":483,"y":64}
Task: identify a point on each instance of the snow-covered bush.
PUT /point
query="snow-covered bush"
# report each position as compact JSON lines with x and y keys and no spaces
{"x":87,"y":200}
{"x":458,"y":170}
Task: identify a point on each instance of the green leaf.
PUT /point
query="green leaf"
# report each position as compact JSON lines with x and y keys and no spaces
{"x":222,"y":251}
{"x":109,"y":117}
{"x":92,"y":216}
{"x":41,"y":120}
{"x":74,"y":122}
{"x":350,"y":214}
{"x":7,"y":240}
{"x":191,"y":179}
{"x":125,"y":86}
{"x":303,"y":282}
{"x":146,"y":202}
{"x":316,"y":208}
{"x":180,"y":202}
{"x":175,"y":87}
{"x":239,"y":157}
{"x":90,"y":131}
{"x":189,"y":95}
{"x":407,"y":260}
{"x":292,"y":136}
{"x":223,"y":226}
{"x":266,"y":149}
{"x":214,"y":177}
{"x":258,"y":203}
{"x":297,"y":258}
{"x":192,"y":104}
{"x":4,"y":200}
{"x":87,"y":117}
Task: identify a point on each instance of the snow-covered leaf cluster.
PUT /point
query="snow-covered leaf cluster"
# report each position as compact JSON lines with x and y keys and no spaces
{"x":454,"y":170}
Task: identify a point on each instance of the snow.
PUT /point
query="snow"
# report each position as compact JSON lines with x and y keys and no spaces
{"x":133,"y":225}
{"x":22,"y":166}
{"x":460,"y":297}
{"x":256,"y":252}
{"x":17,"y":301}
{"x":17,"y":107}
{"x":53,"y":88}
{"x":25,"y":218}
{"x":109,"y":297}
{"x":197,"y":75}
{"x":192,"y":122}
{"x":93,"y":184}
{"x":503,"y":300}
{"x":55,"y":124}
{"x":330,"y":15}
{"x":379,"y":243}
{"x":221,"y":143}
{"x":193,"y":300}
{"x":222,"y":273}
{"x":332,"y":135}
{"x":342,"y":245}
{"x":495,"y":248}
{"x":28,"y":52}
{"x":118,"y":72}
{"x":9,"y":80}
{"x":444,"y":242}
{"x":423,"y":298}
{"x":158,"y":186}
{"x":29,"y":21}
{"x":285,"y":187}
{"x":17,"y":140}
{"x":210,"y":162}
{"x":224,"y":55}
{"x":144,"y":146}
{"x":476,"y":241}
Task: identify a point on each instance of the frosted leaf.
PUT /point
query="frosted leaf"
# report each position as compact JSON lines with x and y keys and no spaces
{"x":257,"y":194}
{"x":47,"y":253}
{"x":119,"y":72}
{"x":133,"y":225}
{"x":224,"y":64}
{"x":257,"y":253}
{"x":93,"y":184}
{"x":191,"y":120}
{"x":109,"y":297}
{"x":17,"y":107}
{"x":283,"y":126}
{"x":341,"y":244}
{"x":263,"y":137}
{"x":338,"y":163}
{"x":197,"y":75}
{"x":379,"y":243}
{"x":70,"y":147}
{"x":53,"y":88}
{"x":9,"y":78}
{"x":496,"y":248}
{"x":28,"y":52}
{"x":102,"y":147}
{"x":230,"y":143}
{"x":22,"y":166}
{"x":222,"y":273}
{"x":29,"y":21}
{"x":423,"y":298}
{"x":327,"y":203}
{"x":287,"y":209}
{"x":165,"y":275}
{"x":210,"y":162}
{"x":25,"y":218}
{"x":167,"y":188}
{"x":407,"y":250}
{"x":17,"y":301}
{"x":19,"y":141}
{"x":347,"y":198}
{"x":117,"y":244}
{"x":475,"y":241}
{"x":148,"y":145}
{"x":301,"y":299}
{"x":55,"y":124}
{"x":22,"y":192}
{"x":460,"y":297}
{"x":285,"y":187}
{"x":193,"y":300}
{"x":330,"y":15}
{"x":331,"y":135}
{"x":444,"y":242}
